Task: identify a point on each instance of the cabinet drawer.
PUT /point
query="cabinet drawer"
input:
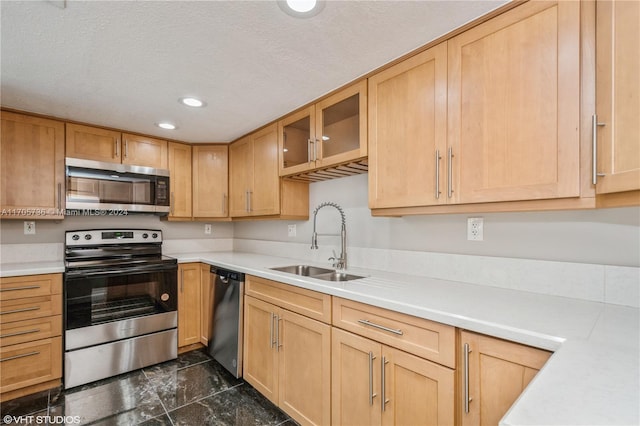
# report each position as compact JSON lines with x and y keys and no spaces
{"x":302,"y":301}
{"x":30,"y":363}
{"x":17,"y":332}
{"x":30,"y":308}
{"x":424,"y":338}
{"x":29,"y":286}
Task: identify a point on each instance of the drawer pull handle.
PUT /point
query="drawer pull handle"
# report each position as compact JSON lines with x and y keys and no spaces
{"x":29,"y":287}
{"x":20,"y":333}
{"x":15,"y":311}
{"x":381,"y":327}
{"x":20,"y":356}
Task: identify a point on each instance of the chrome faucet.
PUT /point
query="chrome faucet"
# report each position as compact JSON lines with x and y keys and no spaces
{"x":340,"y":262}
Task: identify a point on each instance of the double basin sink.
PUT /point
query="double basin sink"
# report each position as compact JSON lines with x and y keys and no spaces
{"x":318,"y":273}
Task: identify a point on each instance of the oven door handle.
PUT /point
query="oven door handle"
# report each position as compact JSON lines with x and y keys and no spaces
{"x":122,"y":271}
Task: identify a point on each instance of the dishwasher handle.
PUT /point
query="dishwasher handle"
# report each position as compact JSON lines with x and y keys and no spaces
{"x":225,"y":275}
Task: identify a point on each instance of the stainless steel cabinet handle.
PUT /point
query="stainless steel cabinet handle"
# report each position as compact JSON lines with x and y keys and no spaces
{"x":309,"y":142}
{"x":20,"y":333}
{"x":278,"y":344}
{"x":181,"y":280}
{"x":371,"y":393}
{"x":438,"y":174}
{"x":116,"y":144}
{"x":126,"y":148}
{"x":246,"y":201}
{"x":29,"y":287}
{"x":381,"y":327}
{"x":315,"y":150}
{"x":59,"y":196}
{"x":224,"y":203}
{"x":19,"y":356}
{"x":271,"y":331}
{"x":594,"y":143}
{"x":383,"y":385}
{"x":15,"y":311}
{"x":450,"y":172}
{"x":249,"y":198}
{"x":173,"y":204}
{"x":467,"y":399}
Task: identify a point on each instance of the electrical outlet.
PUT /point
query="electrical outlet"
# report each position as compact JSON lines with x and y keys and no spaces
{"x":29,"y":228}
{"x":207,"y":229}
{"x":475,"y":229}
{"x":291,"y":231}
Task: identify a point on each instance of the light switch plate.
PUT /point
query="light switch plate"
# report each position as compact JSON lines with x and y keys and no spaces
{"x":207,"y":229}
{"x":291,"y":231}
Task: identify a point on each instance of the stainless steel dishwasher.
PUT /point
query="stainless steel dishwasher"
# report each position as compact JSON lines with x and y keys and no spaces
{"x":225,"y":344}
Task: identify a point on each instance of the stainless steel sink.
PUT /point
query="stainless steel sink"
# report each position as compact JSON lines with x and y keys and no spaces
{"x":316,"y":272}
{"x":337,"y":276}
{"x":304,"y":270}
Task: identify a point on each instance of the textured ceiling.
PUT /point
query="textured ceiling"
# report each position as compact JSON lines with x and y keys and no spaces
{"x":124,"y":64}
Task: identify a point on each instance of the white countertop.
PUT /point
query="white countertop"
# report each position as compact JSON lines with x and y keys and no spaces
{"x":592,"y":378}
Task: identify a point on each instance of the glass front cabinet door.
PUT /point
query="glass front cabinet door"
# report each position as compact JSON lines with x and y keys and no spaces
{"x":330,"y":132}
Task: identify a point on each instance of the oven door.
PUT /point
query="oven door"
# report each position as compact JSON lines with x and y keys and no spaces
{"x":105,"y":306}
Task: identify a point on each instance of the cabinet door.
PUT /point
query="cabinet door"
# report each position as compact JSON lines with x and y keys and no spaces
{"x":514,"y":105}
{"x":240,"y":176}
{"x":304,"y":357}
{"x":180,"y":180}
{"x":419,"y":392}
{"x":210,"y":181}
{"x":30,"y":363}
{"x":144,"y":151}
{"x":32,"y":151}
{"x":206,"y":303}
{"x":93,"y":143}
{"x":355,"y":380}
{"x":341,"y":126}
{"x":189,"y":298}
{"x":618,"y":95}
{"x":408,"y":131}
{"x":296,"y":142}
{"x":264,"y":197}
{"x":498,"y":373}
{"x":260,"y":357}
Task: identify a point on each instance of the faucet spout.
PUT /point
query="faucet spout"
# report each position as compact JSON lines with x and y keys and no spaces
{"x":341,"y":262}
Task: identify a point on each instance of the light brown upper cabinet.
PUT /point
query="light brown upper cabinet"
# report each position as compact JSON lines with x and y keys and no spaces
{"x":32,"y":151}
{"x":408,"y":131}
{"x":210,"y":181}
{"x":618,"y":96}
{"x":254,"y":185}
{"x":491,"y":115}
{"x":514,"y":106}
{"x":330,"y":132}
{"x":180,"y":181}
{"x":93,"y":143}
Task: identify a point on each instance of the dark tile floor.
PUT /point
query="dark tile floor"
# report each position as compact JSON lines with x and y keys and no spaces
{"x":192,"y":390}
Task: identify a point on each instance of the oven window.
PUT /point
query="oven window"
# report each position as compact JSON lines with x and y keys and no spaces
{"x":98,"y":300}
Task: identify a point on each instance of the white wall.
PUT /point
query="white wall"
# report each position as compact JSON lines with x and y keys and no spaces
{"x":48,"y":231}
{"x":604,"y":236}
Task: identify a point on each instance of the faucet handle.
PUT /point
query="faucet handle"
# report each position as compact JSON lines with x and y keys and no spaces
{"x":334,"y":259}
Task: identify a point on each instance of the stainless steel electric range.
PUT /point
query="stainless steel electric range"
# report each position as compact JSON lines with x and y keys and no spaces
{"x":120,"y":303}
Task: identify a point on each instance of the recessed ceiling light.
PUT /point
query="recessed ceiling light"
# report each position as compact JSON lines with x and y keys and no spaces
{"x":192,"y":102}
{"x":165,"y":125}
{"x":301,"y":8}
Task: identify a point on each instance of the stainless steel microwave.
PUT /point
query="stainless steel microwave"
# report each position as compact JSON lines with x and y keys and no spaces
{"x":96,"y":185}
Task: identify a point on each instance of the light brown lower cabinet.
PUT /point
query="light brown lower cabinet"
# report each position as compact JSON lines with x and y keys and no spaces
{"x":30,"y":334}
{"x":287,"y":359}
{"x":494,"y":374}
{"x":189,"y":300}
{"x":375,"y":384}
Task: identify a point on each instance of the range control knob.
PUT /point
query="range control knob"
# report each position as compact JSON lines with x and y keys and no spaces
{"x":87,"y":237}
{"x":75,"y":237}
{"x":154,"y":235}
{"x":145,"y":235}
